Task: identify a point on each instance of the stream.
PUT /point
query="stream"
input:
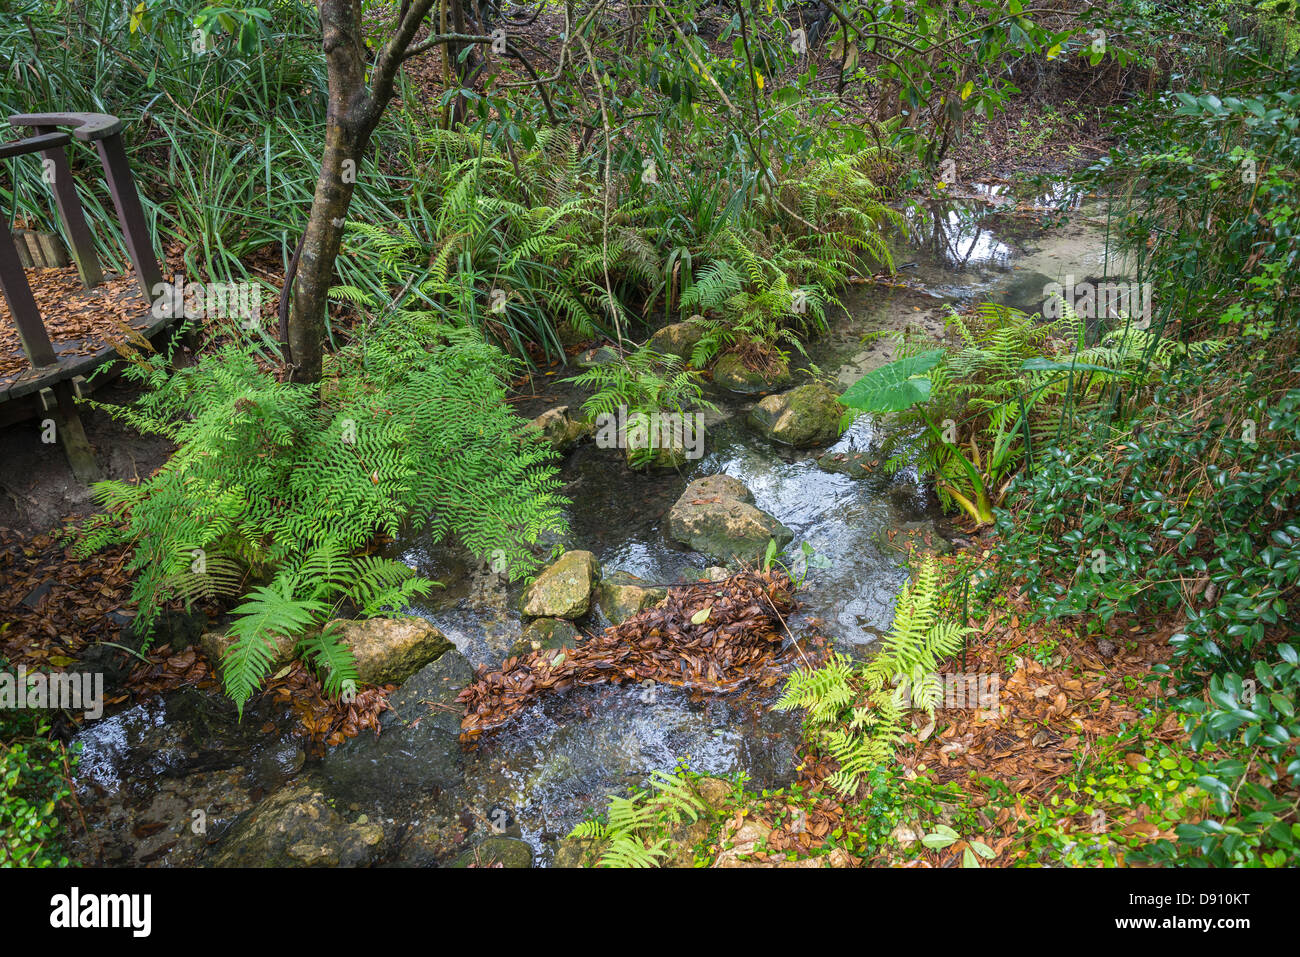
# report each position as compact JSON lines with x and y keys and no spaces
{"x":164,"y":782}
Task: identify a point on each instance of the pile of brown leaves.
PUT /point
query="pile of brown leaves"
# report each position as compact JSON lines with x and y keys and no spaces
{"x":321,"y":721}
{"x":53,"y":605}
{"x":718,"y":635}
{"x":79,"y":321}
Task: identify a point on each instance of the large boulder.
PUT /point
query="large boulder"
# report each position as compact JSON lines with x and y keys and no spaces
{"x":622,"y":595}
{"x":563,"y":590}
{"x":716,"y":517}
{"x":559,"y":429}
{"x":390,"y":650}
{"x":806,"y":416}
{"x":731,"y":373}
{"x":297,"y":827}
{"x":215,"y":645}
{"x":677,"y":339}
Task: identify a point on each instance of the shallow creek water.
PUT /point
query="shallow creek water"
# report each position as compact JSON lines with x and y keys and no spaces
{"x":147,"y":770}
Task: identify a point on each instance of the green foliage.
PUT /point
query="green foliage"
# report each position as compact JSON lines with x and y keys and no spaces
{"x":34,"y":781}
{"x":1208,"y":173}
{"x":633,"y":833}
{"x":855,"y":713}
{"x":278,"y":487}
{"x":1010,"y":385}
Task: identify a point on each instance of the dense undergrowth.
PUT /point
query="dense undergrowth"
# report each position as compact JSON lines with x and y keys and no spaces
{"x":1137,"y":470}
{"x":1142,"y":474}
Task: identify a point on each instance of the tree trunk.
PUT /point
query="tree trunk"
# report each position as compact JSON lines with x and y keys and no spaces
{"x":355,"y":107}
{"x":348,"y":125}
{"x":320,"y":248}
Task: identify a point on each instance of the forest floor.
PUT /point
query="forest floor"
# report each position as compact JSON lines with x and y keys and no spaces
{"x":1057,"y":704}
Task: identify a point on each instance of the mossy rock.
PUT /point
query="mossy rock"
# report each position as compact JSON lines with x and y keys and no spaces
{"x":732,"y":374}
{"x":678,"y":339}
{"x":804,"y":417}
{"x":562,"y":590}
{"x":622,"y":595}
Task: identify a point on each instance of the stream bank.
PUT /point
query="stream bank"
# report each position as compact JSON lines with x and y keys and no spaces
{"x":180,"y":780}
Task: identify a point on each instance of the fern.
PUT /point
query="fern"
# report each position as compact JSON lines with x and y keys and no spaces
{"x":287,"y":483}
{"x":856,"y":713}
{"x":632,"y":834}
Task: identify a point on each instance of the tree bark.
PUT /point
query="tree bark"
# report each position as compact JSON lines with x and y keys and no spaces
{"x":347,"y":130}
{"x":354,"y":109}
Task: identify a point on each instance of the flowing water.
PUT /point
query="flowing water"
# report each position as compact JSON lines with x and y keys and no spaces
{"x":153,"y":765}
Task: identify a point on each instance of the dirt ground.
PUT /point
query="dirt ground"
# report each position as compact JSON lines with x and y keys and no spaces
{"x":37,"y":488}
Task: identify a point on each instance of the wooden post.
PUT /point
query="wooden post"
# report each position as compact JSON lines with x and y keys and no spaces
{"x":72,"y":435}
{"x":72,"y":216}
{"x":22,"y":304}
{"x":121,"y":186}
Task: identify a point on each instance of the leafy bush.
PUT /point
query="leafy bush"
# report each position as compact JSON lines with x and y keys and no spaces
{"x":280,"y":486}
{"x":34,"y":773}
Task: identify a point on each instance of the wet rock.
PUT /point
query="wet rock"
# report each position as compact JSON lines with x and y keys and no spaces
{"x":721,"y":486}
{"x":215,"y":644}
{"x":498,"y":852}
{"x":436,"y":835}
{"x":390,"y":650}
{"x":719,"y":520}
{"x":677,"y":339}
{"x":622,"y":595}
{"x":667,"y":455}
{"x":806,"y":416}
{"x":921,"y":534}
{"x":715,"y":573}
{"x":543,"y":633}
{"x":297,"y":827}
{"x":732,"y":374}
{"x":419,"y":747}
{"x":563,"y":590}
{"x":559,"y":429}
{"x":1027,"y":292}
{"x":576,"y":852}
{"x":429,"y":695}
{"x":854,"y":464}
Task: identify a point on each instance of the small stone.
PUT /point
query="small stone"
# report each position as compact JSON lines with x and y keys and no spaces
{"x":545,"y":633}
{"x":560,"y":429}
{"x":563,"y":590}
{"x":622,"y":595}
